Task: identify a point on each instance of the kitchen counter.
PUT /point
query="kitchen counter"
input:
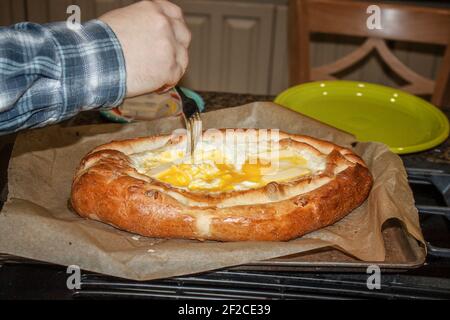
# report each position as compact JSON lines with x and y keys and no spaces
{"x":437,"y":158}
{"x":24,"y":280}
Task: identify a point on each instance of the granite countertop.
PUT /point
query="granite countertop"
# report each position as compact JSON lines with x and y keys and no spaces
{"x":437,"y":158}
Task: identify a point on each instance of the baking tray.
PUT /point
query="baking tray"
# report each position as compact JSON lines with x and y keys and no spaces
{"x":402,"y":251}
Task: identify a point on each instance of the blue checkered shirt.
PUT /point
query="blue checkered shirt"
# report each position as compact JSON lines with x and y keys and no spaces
{"x":49,"y":73}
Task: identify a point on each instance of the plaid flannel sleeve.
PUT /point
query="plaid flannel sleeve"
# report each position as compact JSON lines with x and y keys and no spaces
{"x":49,"y":73}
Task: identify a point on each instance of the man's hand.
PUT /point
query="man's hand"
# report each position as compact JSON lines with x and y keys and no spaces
{"x":155,"y":42}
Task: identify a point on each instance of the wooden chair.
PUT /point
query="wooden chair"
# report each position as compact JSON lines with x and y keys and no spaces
{"x":344,"y":17}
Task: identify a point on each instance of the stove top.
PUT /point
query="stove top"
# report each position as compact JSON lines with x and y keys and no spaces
{"x":21,"y":278}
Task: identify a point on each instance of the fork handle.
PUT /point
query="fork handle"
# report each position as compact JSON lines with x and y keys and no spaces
{"x":180,"y":93}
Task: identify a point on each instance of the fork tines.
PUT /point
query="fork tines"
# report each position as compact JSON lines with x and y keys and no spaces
{"x":194,"y":129}
{"x":193,"y":121}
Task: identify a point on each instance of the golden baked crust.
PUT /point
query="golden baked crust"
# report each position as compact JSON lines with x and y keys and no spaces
{"x":107,"y":187}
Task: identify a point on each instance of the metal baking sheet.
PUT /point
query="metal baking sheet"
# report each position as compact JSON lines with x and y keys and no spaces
{"x":402,"y":252}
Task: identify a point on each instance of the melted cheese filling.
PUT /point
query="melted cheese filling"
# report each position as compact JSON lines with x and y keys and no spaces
{"x":216,"y":172}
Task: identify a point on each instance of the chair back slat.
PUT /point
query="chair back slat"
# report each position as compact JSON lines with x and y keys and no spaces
{"x":344,"y":17}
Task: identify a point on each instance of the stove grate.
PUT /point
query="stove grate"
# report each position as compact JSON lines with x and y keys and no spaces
{"x":229,"y":284}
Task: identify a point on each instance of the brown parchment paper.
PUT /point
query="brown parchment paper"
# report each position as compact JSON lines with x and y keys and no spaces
{"x":36,"y":222}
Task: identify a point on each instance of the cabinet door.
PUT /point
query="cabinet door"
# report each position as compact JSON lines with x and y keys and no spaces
{"x":11,"y":11}
{"x":231,"y":45}
{"x":279,"y":79}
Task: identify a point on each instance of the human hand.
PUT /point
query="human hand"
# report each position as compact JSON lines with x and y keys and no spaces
{"x":154,"y":40}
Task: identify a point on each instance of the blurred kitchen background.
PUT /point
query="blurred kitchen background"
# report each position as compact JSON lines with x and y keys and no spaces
{"x":241,"y":46}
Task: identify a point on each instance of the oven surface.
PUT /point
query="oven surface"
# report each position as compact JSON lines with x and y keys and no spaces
{"x":276,"y":279}
{"x":318,"y":275}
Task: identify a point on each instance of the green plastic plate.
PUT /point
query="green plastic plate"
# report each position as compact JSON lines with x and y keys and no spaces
{"x":371,"y":112}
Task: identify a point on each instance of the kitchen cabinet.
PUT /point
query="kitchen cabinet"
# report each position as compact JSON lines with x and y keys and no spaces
{"x":279,"y":68}
{"x":12,"y":11}
{"x":231,"y":45}
{"x":232,"y":40}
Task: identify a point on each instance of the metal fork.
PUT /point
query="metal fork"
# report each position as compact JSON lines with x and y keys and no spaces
{"x":191,"y":114}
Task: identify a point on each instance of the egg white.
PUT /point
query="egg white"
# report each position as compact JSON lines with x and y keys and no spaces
{"x":204,"y":171}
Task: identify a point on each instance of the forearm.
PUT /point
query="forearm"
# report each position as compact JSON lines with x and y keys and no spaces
{"x":49,"y":73}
